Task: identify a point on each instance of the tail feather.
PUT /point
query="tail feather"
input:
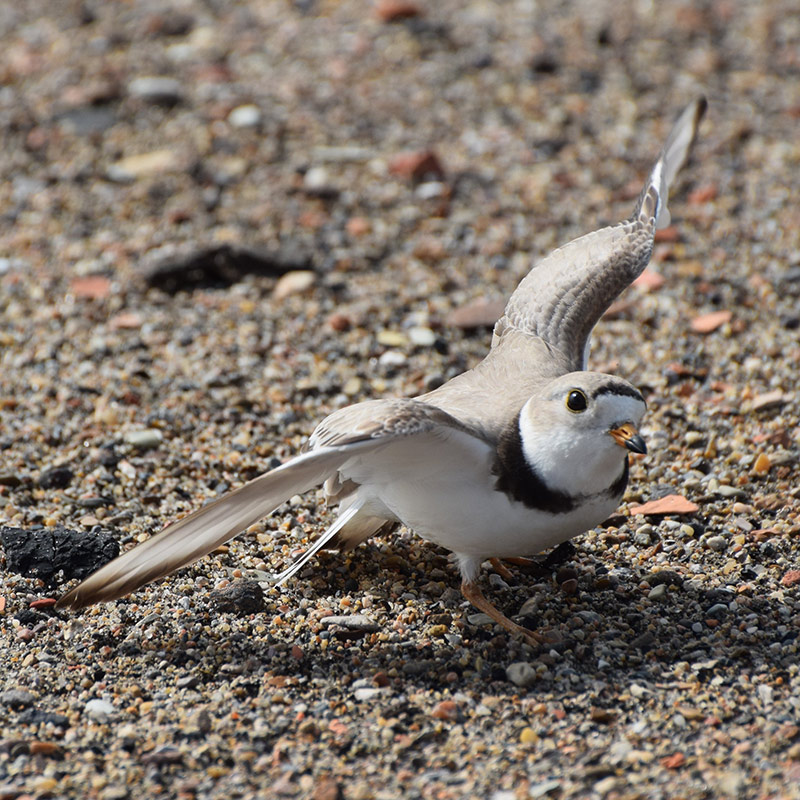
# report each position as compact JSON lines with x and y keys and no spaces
{"x":207,"y":528}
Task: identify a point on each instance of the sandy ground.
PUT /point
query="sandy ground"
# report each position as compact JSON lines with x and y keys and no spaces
{"x":194,"y":270}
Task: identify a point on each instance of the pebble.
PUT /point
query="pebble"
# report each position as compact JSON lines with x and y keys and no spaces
{"x":422,"y":337}
{"x":392,"y":339}
{"x":156,"y":162}
{"x":156,"y":89}
{"x":522,"y":674}
{"x":293,"y":282}
{"x":717,"y":543}
{"x":658,"y":592}
{"x":246,"y":116}
{"x":17,"y":698}
{"x":147,"y":439}
{"x":353,"y":622}
{"x":99,"y":710}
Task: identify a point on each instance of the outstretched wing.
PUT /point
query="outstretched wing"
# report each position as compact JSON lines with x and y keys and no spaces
{"x":338,"y":445}
{"x":561,"y":299}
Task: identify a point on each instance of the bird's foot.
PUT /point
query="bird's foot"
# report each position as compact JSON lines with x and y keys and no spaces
{"x":473,"y":593}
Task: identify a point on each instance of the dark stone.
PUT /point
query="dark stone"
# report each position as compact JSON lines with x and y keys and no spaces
{"x":43,"y":552}
{"x":220,"y":266}
{"x":240,"y":597}
{"x":35,"y":716}
{"x":56,"y":478}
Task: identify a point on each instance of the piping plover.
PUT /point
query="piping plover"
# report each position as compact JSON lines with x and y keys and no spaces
{"x":522,"y":452}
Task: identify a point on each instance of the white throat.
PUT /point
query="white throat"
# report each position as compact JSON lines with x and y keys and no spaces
{"x":570,"y":458}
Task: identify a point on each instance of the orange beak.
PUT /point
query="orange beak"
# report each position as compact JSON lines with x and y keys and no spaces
{"x":627,"y":436}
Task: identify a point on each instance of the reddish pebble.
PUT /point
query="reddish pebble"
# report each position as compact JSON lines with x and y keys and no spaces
{"x":93,"y":287}
{"x":45,"y":749}
{"x":297,"y":652}
{"x":649,"y":280}
{"x":446,"y":710}
{"x":416,"y":165}
{"x":791,"y":578}
{"x":702,"y":194}
{"x":357,"y":226}
{"x":380,"y":679}
{"x":668,"y":234}
{"x":339,"y":322}
{"x":674,"y":761}
{"x":395,"y":10}
{"x":707,"y":323}
{"x":44,"y":602}
{"x":26,"y":634}
{"x":126,"y":320}
{"x":671,"y":504}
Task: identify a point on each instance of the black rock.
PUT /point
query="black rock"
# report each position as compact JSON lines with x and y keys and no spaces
{"x":43,"y":552}
{"x":219,"y":266}
{"x":240,"y":597}
{"x":56,"y":478}
{"x":35,"y":716}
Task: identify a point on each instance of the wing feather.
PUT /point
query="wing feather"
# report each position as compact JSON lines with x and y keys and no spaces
{"x":207,"y":528}
{"x":561,"y":299}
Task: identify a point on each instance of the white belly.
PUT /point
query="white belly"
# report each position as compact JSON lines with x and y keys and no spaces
{"x":479,"y":521}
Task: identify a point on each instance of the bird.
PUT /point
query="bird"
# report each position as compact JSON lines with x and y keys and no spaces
{"x":518,"y":454}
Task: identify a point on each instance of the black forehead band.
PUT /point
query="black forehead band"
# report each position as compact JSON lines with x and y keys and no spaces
{"x":621,"y":389}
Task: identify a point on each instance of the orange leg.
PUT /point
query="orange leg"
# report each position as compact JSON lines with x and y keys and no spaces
{"x":501,"y":569}
{"x":475,"y":596}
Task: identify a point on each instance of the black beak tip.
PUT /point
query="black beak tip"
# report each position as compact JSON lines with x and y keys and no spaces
{"x":636,"y":444}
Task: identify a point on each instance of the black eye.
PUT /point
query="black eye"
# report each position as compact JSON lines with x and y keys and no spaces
{"x":576,"y":401}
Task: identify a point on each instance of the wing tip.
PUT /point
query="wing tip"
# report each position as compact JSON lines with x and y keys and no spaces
{"x":652,"y":203}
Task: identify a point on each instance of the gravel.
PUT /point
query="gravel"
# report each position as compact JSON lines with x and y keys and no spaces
{"x":223,"y":221}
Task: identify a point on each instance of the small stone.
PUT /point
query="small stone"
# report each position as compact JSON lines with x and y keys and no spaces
{"x":246,"y":116}
{"x":241,"y":597}
{"x":396,"y":10}
{"x":762,"y":464}
{"x":156,"y":89}
{"x":416,"y":165}
{"x":317,"y":182}
{"x":446,"y":710}
{"x":56,"y":478}
{"x":17,"y":698}
{"x":130,"y":168}
{"x":392,"y":359}
{"x":768,"y":400}
{"x":99,"y":710}
{"x":521,"y":673}
{"x":479,"y":619}
{"x":528,"y":736}
{"x":353,"y":386}
{"x":707,"y":323}
{"x":294,"y":282}
{"x":480,"y":314}
{"x":147,"y":439}
{"x":791,"y":578}
{"x":671,"y":504}
{"x":422,"y":337}
{"x":365,"y":693}
{"x":643,"y":535}
{"x":91,"y":287}
{"x":658,"y":592}
{"x":544,"y":788}
{"x":352,"y":622}
{"x":392,"y":338}
{"x":339,"y":322}
{"x":717,"y":543}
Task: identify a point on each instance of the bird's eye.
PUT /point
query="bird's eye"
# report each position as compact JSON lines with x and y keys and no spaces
{"x":576,"y":401}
